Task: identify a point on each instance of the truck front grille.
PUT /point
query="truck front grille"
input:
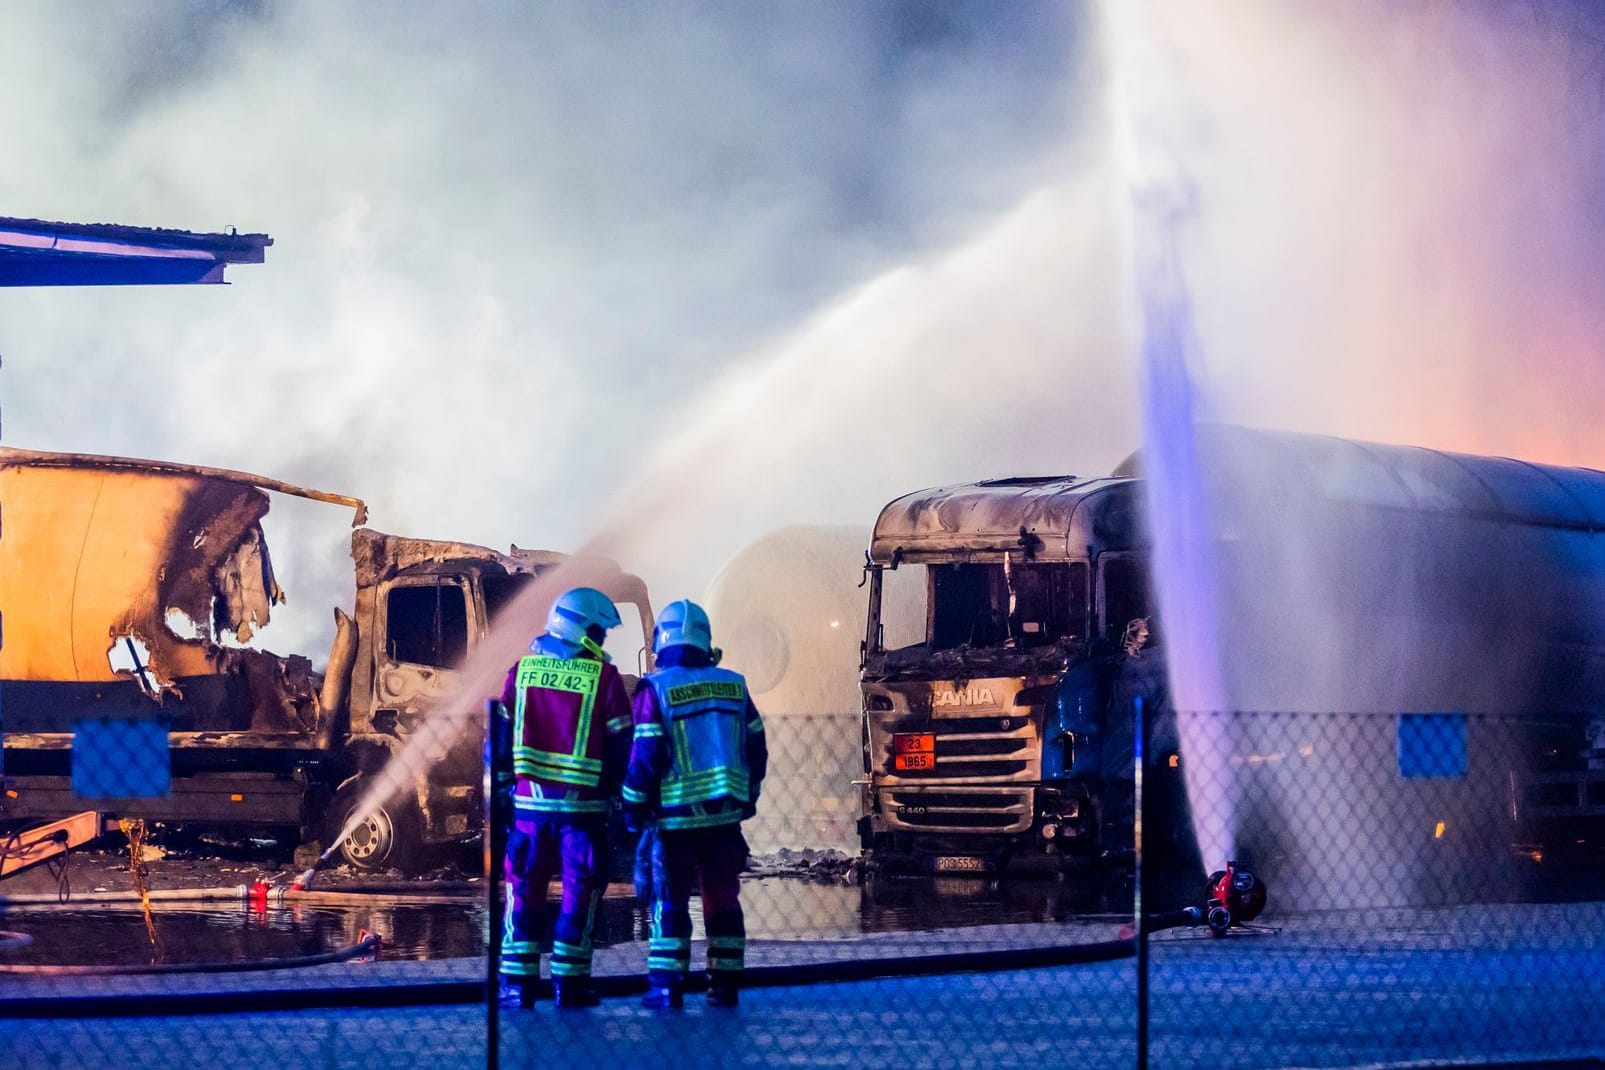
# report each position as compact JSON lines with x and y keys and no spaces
{"x":983,"y":810}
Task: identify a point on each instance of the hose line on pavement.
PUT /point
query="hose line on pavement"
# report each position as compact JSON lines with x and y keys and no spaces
{"x":439,"y":993}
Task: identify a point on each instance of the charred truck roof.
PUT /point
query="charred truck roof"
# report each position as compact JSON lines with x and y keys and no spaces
{"x":379,"y":557}
{"x":1048,"y":518}
{"x":1059,"y":518}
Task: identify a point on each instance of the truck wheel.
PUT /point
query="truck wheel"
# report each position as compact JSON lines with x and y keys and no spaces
{"x":385,"y":838}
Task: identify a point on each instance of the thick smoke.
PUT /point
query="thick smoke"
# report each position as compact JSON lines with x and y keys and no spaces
{"x":520,"y":254}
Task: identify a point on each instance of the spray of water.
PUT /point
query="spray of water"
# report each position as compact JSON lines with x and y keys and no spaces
{"x":1378,"y":221}
{"x":1149,"y":122}
{"x":873,"y":395}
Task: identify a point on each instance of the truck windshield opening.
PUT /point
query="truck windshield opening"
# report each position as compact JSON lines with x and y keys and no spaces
{"x":427,"y":624}
{"x":985,"y":605}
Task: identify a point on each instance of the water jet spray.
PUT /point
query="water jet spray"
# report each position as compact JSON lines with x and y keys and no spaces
{"x":1153,"y":128}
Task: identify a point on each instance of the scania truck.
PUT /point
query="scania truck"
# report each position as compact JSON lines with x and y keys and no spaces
{"x":1369,"y":585}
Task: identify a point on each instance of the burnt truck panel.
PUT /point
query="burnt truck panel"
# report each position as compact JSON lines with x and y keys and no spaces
{"x":1358,"y":579}
{"x":120,"y":587}
{"x":125,"y":585}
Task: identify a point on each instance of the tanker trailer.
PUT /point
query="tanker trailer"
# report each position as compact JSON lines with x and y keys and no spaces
{"x":1414,"y":641}
{"x":1410,"y":645}
{"x":787,"y":612}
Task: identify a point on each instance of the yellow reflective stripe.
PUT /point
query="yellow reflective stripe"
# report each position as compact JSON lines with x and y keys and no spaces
{"x":755,"y":727}
{"x":727,"y":943}
{"x":682,"y":747}
{"x":547,"y":757}
{"x":631,"y":795}
{"x":679,"y":795}
{"x":619,"y":724}
{"x":648,"y":731}
{"x":704,"y":775}
{"x":701,"y":821}
{"x":559,"y":776}
{"x":560,"y":806}
{"x":703,"y":788}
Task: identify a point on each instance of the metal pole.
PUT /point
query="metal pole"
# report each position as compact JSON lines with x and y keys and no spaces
{"x":1139,"y":731}
{"x":495,"y":847}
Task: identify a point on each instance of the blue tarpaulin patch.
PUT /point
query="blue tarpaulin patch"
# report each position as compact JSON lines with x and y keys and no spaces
{"x":1432,"y":744}
{"x":121,"y":758}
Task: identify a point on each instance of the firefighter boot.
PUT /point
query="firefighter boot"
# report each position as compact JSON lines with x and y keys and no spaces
{"x":575,"y":992}
{"x":517,"y":994}
{"x":663,"y":998}
{"x":722,"y":991}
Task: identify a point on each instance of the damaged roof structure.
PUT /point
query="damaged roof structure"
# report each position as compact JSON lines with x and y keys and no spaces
{"x":36,"y":252}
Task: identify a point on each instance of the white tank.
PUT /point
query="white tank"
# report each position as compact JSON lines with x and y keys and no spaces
{"x":788,"y":613}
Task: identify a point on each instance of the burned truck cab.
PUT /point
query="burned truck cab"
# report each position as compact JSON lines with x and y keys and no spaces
{"x":422,"y":608}
{"x":995,"y":612}
{"x":131,"y":589}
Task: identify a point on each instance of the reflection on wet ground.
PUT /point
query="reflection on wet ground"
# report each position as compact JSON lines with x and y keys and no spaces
{"x":206,"y":934}
{"x":777,"y":908}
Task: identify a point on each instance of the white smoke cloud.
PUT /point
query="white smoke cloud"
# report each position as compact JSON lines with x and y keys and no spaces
{"x":1399,"y":209}
{"x":515,"y":250}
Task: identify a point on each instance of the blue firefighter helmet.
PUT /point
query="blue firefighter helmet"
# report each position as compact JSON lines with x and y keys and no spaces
{"x":576,"y":612}
{"x":683,"y":623}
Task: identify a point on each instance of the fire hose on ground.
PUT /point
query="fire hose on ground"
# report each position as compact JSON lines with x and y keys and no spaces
{"x":366,"y":944}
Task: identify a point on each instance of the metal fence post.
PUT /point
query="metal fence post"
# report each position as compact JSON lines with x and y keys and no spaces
{"x":1139,"y":716}
{"x":495,"y":848}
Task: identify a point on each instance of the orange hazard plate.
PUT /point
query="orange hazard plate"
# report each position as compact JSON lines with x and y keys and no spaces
{"x":914,"y":750}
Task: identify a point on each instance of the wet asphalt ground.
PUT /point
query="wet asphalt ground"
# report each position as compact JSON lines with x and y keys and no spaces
{"x":1483,"y":984}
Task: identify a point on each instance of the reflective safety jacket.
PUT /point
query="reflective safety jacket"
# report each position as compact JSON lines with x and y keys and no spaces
{"x":698,"y":754}
{"x":570,"y":733}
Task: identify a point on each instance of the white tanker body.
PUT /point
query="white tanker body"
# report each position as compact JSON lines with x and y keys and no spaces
{"x":1359,"y":587}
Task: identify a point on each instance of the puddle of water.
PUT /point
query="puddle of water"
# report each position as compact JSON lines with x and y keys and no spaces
{"x":72,"y":936}
{"x":776,"y":908}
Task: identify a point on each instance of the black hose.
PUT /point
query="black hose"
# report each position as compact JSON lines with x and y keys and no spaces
{"x":367,"y":945}
{"x":440,"y":993}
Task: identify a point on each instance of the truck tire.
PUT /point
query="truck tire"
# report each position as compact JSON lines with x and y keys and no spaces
{"x":386,"y":838}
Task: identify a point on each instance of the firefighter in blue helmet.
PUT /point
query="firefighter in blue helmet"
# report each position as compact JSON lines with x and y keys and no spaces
{"x":570,"y":736}
{"x":696,"y":765}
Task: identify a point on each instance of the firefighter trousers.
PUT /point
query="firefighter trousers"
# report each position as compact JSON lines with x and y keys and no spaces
{"x":539,"y":848}
{"x":709,"y":860}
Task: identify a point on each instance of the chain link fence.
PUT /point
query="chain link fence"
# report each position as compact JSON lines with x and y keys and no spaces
{"x":1433,"y":894}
